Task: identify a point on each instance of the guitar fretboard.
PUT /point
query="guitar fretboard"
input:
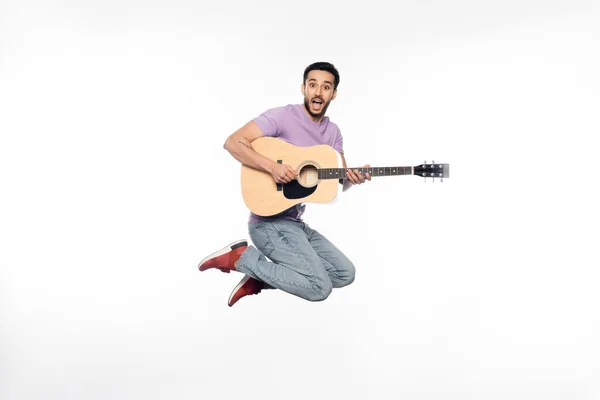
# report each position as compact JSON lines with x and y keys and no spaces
{"x":340,"y":173}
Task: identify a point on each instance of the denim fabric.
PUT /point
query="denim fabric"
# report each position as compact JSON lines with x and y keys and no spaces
{"x":291,"y":256}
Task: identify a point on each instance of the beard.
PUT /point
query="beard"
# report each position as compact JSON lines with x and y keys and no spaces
{"x":323,"y":108}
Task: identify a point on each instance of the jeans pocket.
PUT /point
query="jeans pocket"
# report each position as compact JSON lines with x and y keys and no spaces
{"x":261,"y":239}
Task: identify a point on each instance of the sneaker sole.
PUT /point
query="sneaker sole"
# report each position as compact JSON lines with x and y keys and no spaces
{"x":226,"y":249}
{"x":239,"y":285}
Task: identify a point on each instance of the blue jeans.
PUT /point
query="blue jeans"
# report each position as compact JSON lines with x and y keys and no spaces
{"x":302,"y":261}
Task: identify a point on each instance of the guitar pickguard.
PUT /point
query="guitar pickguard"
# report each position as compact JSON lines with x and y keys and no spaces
{"x":294,"y":190}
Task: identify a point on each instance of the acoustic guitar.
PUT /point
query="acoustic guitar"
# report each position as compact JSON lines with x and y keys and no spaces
{"x":319,"y":171}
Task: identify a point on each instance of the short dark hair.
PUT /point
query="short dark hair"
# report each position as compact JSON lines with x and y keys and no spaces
{"x":323,"y":66}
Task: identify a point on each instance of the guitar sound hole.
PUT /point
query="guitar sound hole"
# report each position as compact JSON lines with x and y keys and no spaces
{"x":304,"y":185}
{"x":308,"y":176}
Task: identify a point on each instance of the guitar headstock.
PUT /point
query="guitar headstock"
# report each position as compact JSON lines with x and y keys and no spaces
{"x":433,"y":170}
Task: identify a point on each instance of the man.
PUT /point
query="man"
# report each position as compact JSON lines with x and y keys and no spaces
{"x":302,"y":261}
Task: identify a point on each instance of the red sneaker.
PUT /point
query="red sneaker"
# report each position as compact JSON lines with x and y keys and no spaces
{"x":246,"y":287}
{"x":224,"y":259}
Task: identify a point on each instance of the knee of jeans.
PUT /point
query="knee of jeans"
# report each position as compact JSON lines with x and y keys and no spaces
{"x":348,"y":276}
{"x":321,"y":291}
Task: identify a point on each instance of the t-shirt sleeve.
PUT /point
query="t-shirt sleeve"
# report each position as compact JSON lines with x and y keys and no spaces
{"x":339,"y":142}
{"x":269,"y":122}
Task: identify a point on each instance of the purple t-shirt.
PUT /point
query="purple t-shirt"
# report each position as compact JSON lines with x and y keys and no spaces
{"x":292,"y":124}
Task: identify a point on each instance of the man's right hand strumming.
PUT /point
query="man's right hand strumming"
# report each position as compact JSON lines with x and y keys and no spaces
{"x":283,"y":173}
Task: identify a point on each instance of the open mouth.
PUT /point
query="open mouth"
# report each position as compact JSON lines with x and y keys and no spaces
{"x":317,"y":103}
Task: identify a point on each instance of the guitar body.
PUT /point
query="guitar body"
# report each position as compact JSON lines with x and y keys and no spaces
{"x":264,"y":197}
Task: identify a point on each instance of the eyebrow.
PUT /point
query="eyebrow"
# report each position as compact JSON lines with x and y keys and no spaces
{"x":313,"y":79}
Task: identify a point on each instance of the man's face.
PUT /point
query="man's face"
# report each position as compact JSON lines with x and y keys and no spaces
{"x":318,"y":92}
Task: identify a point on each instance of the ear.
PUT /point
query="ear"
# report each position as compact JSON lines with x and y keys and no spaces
{"x":303,"y":88}
{"x":334,"y":94}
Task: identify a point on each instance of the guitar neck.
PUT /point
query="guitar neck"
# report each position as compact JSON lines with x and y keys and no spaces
{"x":340,"y":173}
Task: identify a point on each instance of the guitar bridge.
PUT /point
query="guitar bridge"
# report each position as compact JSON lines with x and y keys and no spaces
{"x":279,"y":185}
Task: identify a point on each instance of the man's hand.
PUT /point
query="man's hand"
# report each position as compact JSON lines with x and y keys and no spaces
{"x":283,"y":173}
{"x":357,"y":178}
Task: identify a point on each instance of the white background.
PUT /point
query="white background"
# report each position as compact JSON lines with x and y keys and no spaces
{"x":114,"y":184}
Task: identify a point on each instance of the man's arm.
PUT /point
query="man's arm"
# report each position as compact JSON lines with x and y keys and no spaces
{"x":239,"y":145}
